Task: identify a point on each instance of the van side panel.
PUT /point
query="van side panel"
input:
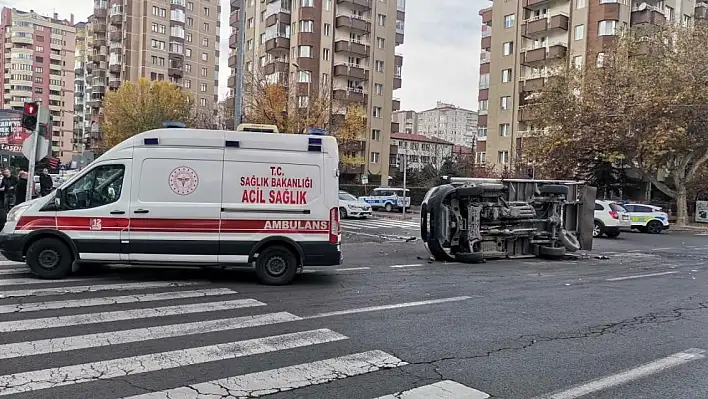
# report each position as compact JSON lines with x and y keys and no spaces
{"x":176,"y":203}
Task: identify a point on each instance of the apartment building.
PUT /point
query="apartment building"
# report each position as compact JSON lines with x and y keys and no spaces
{"x":521,"y":38}
{"x":406,"y":121}
{"x":82,"y":88}
{"x":448,"y":122}
{"x":420,"y":151}
{"x":348,"y":46}
{"x":175,"y":40}
{"x":38,"y":65}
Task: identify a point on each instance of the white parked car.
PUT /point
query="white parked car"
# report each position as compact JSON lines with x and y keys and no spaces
{"x":609,"y":219}
{"x":648,"y":218}
{"x":352,"y":207}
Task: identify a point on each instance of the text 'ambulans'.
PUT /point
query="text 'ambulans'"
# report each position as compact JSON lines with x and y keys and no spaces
{"x":275,"y":189}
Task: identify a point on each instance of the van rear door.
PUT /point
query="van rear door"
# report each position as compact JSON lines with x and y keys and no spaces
{"x":273,"y":187}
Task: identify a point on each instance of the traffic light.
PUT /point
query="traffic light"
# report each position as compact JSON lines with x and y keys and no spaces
{"x":29,"y":116}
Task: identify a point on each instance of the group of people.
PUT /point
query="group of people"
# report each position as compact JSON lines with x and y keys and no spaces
{"x":13,"y":189}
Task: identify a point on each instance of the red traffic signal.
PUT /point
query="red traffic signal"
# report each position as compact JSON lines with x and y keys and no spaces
{"x":29,"y":116}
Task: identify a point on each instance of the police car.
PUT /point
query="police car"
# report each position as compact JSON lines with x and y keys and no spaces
{"x":647,"y":218}
{"x":388,"y":198}
{"x":188,"y":197}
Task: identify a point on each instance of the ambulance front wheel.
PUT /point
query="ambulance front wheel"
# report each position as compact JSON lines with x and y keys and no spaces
{"x":49,"y":258}
{"x":276,"y":265}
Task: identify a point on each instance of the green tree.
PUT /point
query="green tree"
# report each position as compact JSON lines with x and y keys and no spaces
{"x":145,"y":105}
{"x":643,"y":104}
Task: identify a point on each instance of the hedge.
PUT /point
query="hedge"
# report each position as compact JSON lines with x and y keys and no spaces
{"x":358,"y":190}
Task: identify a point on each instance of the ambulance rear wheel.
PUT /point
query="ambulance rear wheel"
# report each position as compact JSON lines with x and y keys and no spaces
{"x":49,"y":258}
{"x":276,"y":265}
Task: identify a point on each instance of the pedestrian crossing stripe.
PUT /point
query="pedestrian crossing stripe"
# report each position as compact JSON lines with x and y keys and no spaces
{"x":380,"y":223}
{"x":152,"y":301}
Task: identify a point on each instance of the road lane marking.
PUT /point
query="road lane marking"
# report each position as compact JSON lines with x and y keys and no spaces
{"x":387,"y":307}
{"x":80,"y":289}
{"x":11,"y":263}
{"x":115,"y":300}
{"x":16,"y":270}
{"x":348,"y":269}
{"x":36,"y":280}
{"x":103,"y":317}
{"x":440,"y":390}
{"x":102,"y":370}
{"x":629,"y":375}
{"x":640,"y":276}
{"x":284,"y":379}
{"x":403,"y":266}
{"x":54,"y":345}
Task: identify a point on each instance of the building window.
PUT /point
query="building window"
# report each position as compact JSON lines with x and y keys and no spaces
{"x":374,"y":157}
{"x":504,"y":130}
{"x":304,"y":76}
{"x":377,"y":112}
{"x":190,"y":22}
{"x":327,"y":29}
{"x":503,"y":157}
{"x":305,"y":51}
{"x":579,"y":4}
{"x":376,"y":134}
{"x":249,"y":44}
{"x":205,"y":72}
{"x":508,"y":48}
{"x":325,"y":54}
{"x":190,"y":6}
{"x":579,"y":32}
{"x":506,"y":75}
{"x":203,"y":87}
{"x":381,"y":19}
{"x":578,"y":61}
{"x":307,"y":3}
{"x":482,"y":132}
{"x":202,"y":102}
{"x":206,"y":11}
{"x":607,"y":28}
{"x":380,"y":42}
{"x":379,"y":66}
{"x":307,"y":26}
{"x":480,"y":157}
{"x":303,"y":101}
{"x":205,"y":42}
{"x":205,"y":57}
{"x":600,"y":60}
{"x":505,"y":103}
{"x":188,"y":37}
{"x":509,"y":21}
{"x":188,"y":68}
{"x":378,"y":88}
{"x":262,"y":38}
{"x":188,"y":52}
{"x":484,"y":81}
{"x":205,"y":27}
{"x":188,"y":84}
{"x":483,"y":106}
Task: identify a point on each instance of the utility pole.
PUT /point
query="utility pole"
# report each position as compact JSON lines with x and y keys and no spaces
{"x":33,"y":153}
{"x":238,"y":90}
{"x":405,"y":175}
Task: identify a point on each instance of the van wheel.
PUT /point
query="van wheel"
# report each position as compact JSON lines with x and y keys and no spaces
{"x":388,"y":207}
{"x":276,"y":266}
{"x":49,"y":258}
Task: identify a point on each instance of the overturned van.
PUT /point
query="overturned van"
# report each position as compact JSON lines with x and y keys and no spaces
{"x":470,"y":220}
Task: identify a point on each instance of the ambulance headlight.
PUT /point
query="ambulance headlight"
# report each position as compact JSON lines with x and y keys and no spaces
{"x":16,"y":212}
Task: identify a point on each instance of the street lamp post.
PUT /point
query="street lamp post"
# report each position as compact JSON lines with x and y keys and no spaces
{"x":238,"y":90}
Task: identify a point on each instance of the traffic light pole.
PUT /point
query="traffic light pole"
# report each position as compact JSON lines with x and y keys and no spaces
{"x":33,"y":155}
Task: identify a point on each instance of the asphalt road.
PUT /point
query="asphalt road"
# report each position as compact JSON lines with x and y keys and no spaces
{"x":626,"y":320}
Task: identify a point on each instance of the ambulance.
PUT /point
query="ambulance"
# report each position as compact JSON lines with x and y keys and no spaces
{"x":188,"y":197}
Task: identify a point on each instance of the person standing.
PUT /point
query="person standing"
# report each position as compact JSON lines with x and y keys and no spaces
{"x":45,"y":183}
{"x":21,"y":190}
{"x":8,"y":186}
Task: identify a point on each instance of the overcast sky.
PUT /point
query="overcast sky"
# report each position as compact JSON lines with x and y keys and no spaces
{"x":440,"y":54}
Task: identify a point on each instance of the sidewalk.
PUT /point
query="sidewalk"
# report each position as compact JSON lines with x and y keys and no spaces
{"x":695,"y":227}
{"x":411,"y":214}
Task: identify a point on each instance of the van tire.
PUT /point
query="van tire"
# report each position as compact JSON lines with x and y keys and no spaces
{"x":276,"y":265}
{"x":49,"y":258}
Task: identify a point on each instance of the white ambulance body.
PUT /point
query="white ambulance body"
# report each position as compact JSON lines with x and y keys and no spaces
{"x":190,"y":197}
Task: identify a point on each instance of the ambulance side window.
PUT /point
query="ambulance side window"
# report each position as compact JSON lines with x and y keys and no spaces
{"x":101,"y":186}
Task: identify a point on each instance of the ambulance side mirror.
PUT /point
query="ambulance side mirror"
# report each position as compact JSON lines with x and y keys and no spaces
{"x":58,"y":195}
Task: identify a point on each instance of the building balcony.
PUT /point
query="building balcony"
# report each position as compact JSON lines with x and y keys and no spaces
{"x":353,"y":23}
{"x":399,"y":38}
{"x":21,"y":40}
{"x":114,"y":84}
{"x":646,"y":14}
{"x":526,"y":114}
{"x":353,"y":146}
{"x":486,"y":43}
{"x":532,"y":83}
{"x":395,"y":127}
{"x":349,"y":94}
{"x":235,"y":4}
{"x":278,"y":45}
{"x":701,"y":10}
{"x":363,"y":5}
{"x":276,"y":66}
{"x":233,"y":40}
{"x":99,"y":28}
{"x":100,"y":12}
{"x":544,"y":25}
{"x":358,"y":72}
{"x":352,"y":170}
{"x":115,"y":36}
{"x":396,"y":104}
{"x":486,"y":15}
{"x":533,"y":3}
{"x":116,"y":18}
{"x":98,"y":43}
{"x":98,"y":58}
{"x":280,"y":15}
{"x":175,"y":71}
{"x":233,"y":61}
{"x":393,"y":149}
{"x":350,"y":47}
{"x":396,"y":82}
{"x":231,"y":81}
{"x":114,"y":68}
{"x":540,"y":55}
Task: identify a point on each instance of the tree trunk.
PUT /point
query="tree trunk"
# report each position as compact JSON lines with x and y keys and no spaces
{"x":681,"y":203}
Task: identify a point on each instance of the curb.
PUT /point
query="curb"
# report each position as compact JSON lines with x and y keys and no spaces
{"x":408,"y":216}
